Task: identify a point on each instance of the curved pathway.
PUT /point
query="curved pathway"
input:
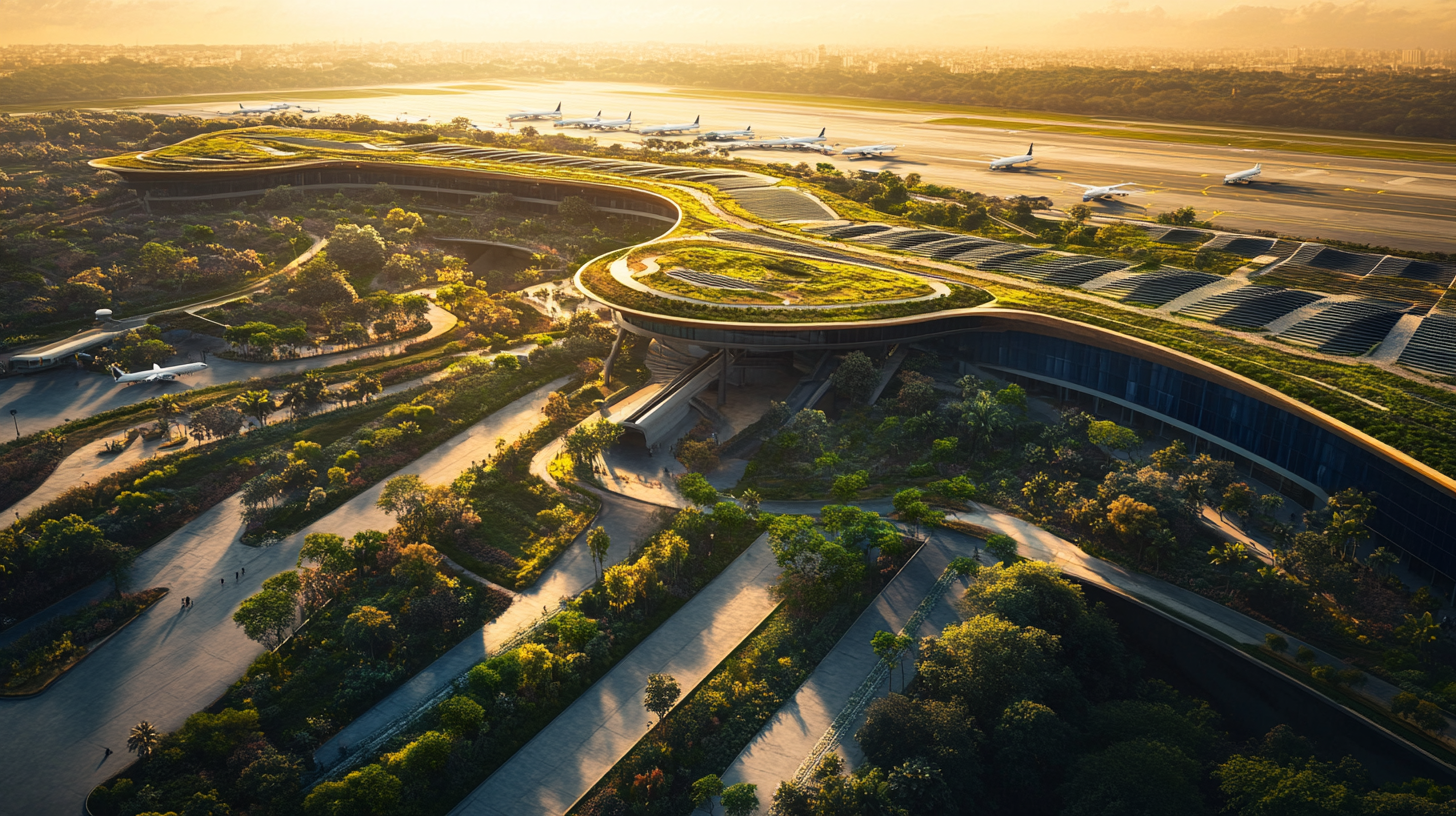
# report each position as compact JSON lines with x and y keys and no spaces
{"x":169,"y":663}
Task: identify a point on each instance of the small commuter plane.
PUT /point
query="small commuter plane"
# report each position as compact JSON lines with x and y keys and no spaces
{"x":585,"y":121}
{"x":869,"y":151}
{"x":664,"y":130}
{"x":535,"y":114}
{"x":1244,"y":176}
{"x":1092,"y":193}
{"x":1009,"y":162}
{"x":612,"y":124}
{"x":790,"y":142}
{"x":729,"y":135}
{"x":276,"y":106}
{"x":157,"y":374}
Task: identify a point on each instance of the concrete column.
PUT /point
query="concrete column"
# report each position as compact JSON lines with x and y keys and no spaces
{"x":612,"y":357}
{"x":723,"y":379}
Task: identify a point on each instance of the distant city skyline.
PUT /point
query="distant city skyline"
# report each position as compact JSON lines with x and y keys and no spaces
{"x":1392,"y":24}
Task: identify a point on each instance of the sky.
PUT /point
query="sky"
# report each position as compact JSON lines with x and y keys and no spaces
{"x":1092,"y":24}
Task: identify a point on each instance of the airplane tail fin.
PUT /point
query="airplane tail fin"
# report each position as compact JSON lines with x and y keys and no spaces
{"x":558,"y":107}
{"x":822,"y":131}
{"x":156,"y":367}
{"x":1259,"y":166}
{"x":1030,"y":147}
{"x":116,"y":372}
{"x":697,"y":119}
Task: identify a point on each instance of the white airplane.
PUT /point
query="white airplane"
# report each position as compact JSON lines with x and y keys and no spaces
{"x":729,"y":135}
{"x":157,"y":374}
{"x":611,"y":124}
{"x":276,"y":106}
{"x":1244,"y":176}
{"x":869,"y":151}
{"x":790,"y":142}
{"x":587,"y":121}
{"x":665,"y":129}
{"x":1091,"y":193}
{"x":535,"y":114}
{"x":309,"y":110}
{"x":1011,"y":161}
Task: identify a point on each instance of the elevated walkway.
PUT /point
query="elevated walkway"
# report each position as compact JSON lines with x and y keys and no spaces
{"x":658,"y":415}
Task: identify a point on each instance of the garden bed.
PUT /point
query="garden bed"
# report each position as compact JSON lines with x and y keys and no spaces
{"x":41,"y":657}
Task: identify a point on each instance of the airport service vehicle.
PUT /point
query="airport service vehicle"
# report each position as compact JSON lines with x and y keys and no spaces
{"x":869,"y":151}
{"x":585,"y":121}
{"x":663,"y":130}
{"x":1009,"y":162}
{"x":276,"y":106}
{"x":728,"y":135}
{"x":790,"y":143}
{"x":1244,"y":176}
{"x":611,"y":124}
{"x":535,"y":114}
{"x":157,"y":374}
{"x":1092,"y":193}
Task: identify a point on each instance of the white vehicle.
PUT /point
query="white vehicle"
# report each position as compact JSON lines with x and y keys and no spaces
{"x":869,"y":151}
{"x":652,"y":130}
{"x":1091,"y":193}
{"x":1244,"y":176}
{"x":535,"y":114}
{"x":1008,"y":162}
{"x":276,"y":106}
{"x":612,"y":124}
{"x":586,"y":121}
{"x":790,"y":143}
{"x":157,"y":374}
{"x":729,"y":135}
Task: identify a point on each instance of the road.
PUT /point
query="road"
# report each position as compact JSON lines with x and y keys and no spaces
{"x":169,"y":664}
{"x":1407,"y":204}
{"x":49,"y":398}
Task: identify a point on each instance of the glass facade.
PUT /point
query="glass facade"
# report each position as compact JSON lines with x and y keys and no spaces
{"x":1411,"y":513}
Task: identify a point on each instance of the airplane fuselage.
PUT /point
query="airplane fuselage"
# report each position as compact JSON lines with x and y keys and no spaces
{"x":868,"y":151}
{"x":157,"y":374}
{"x":535,"y":114}
{"x":1243,"y":176}
{"x":728,"y":135}
{"x":1010,"y":162}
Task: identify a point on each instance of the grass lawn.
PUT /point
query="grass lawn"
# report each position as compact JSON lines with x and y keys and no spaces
{"x":803,"y":282}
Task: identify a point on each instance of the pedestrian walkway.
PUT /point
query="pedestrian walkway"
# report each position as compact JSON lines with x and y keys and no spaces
{"x":171,"y":663}
{"x":779,"y":748}
{"x":568,"y":757}
{"x":625,"y":520}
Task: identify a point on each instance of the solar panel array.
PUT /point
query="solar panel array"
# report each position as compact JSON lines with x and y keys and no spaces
{"x":1250,"y":307}
{"x":1431,"y":272}
{"x":1351,"y":327}
{"x":711,"y":280}
{"x":782,"y":245}
{"x":1014,"y":261}
{"x":1327,"y":259}
{"x":854,"y":230}
{"x":1071,"y":270}
{"x":1158,"y":287}
{"x":1178,"y":235}
{"x":781,"y":204}
{"x":1251,"y":246}
{"x":1433,"y":346}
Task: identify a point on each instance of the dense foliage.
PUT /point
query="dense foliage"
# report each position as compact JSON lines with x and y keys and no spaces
{"x":41,"y":654}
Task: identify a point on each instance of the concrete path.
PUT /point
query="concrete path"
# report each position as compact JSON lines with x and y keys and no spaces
{"x":625,"y":520}
{"x":169,"y":664}
{"x":777,"y":751}
{"x":562,"y":763}
{"x":1399,"y":336}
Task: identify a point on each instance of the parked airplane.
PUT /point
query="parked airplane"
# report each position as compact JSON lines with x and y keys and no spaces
{"x":535,"y":114}
{"x":157,"y":374}
{"x":612,"y":124}
{"x":1244,"y":176}
{"x":651,"y":130}
{"x":1091,"y":192}
{"x":309,"y":110}
{"x":790,"y":142}
{"x":869,"y":151}
{"x":729,"y":135}
{"x":276,"y":106}
{"x":1011,"y":161}
{"x":586,"y":121}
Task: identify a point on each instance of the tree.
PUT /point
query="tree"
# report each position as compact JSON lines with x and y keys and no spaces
{"x":359,"y":250}
{"x":369,"y":790}
{"x":137,"y":350}
{"x":576,"y":208}
{"x":267,"y":616}
{"x":1002,"y":547}
{"x":256,"y":404}
{"x":696,"y":489}
{"x":1233,"y":557}
{"x":1132,"y":520}
{"x":143,"y":739}
{"x":1276,"y":643}
{"x":740,"y":799}
{"x":370,"y":625}
{"x":891,"y":649}
{"x":1112,"y":436}
{"x":847,"y":486}
{"x":216,"y":422}
{"x":1140,"y":777}
{"x":661,"y":695}
{"x":703,"y":791}
{"x":911,"y":510}
{"x":319,"y":283}
{"x":1381,"y":560}
{"x":856,"y":377}
{"x":461,"y":716}
{"x":983,"y":417}
{"x":1349,"y":511}
{"x":1238,"y":498}
{"x":751,"y":499}
{"x":598,"y":543}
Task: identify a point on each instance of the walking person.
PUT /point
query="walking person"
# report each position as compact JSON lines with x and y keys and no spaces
{"x":235,"y":575}
{"x":108,"y":753}
{"x":222,"y":581}
{"x":245,"y":570}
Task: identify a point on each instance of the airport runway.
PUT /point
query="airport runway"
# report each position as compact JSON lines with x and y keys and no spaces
{"x":1405,"y":204}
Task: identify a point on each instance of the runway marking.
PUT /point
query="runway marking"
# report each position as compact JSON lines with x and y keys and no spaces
{"x":1404,"y":180}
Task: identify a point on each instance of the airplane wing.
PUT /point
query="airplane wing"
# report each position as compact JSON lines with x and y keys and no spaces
{"x":1087,"y":186}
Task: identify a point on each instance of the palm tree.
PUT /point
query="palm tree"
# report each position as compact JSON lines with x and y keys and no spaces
{"x":256,"y":404}
{"x":143,"y":739}
{"x":368,"y":385}
{"x":1230,"y":556}
{"x":1381,"y":560}
{"x":295,"y":399}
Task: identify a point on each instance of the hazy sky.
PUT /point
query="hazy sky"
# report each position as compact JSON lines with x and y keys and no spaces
{"x":970,"y":23}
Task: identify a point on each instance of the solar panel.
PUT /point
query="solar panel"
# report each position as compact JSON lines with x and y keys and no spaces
{"x":1429,"y":271}
{"x":1158,"y":287}
{"x":1250,"y":307}
{"x":1351,"y":327}
{"x":1433,"y":346}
